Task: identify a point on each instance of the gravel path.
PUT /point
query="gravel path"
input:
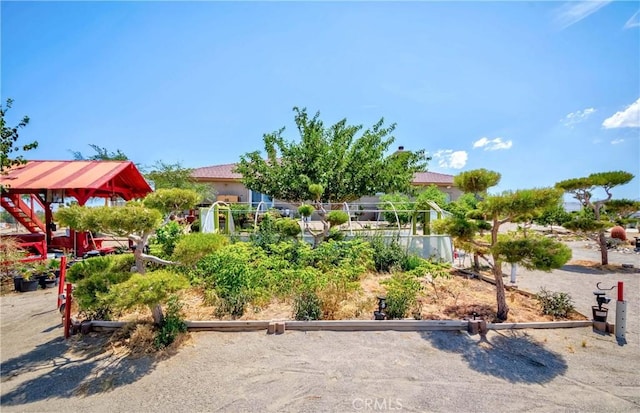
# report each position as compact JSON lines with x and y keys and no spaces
{"x":568,"y":370}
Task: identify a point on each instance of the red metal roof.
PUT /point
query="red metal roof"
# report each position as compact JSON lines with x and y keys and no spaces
{"x":225,"y":172}
{"x":78,"y":179}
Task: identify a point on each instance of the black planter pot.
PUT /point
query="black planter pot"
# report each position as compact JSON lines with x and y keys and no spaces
{"x":50,"y":283}
{"x":17,"y":282}
{"x":41,"y":279}
{"x":30,"y":285}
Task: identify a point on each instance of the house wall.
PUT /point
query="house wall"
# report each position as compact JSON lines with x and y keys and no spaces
{"x":367,"y":202}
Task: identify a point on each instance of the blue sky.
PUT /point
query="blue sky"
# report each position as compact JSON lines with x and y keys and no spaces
{"x":538,"y":91}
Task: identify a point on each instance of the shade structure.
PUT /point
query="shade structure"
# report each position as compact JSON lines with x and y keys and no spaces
{"x":78,"y":179}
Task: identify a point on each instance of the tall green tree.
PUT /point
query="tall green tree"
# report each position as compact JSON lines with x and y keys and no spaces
{"x":496,"y":247}
{"x":9,"y":140}
{"x":101,"y":154}
{"x":344,"y":161}
{"x":174,"y":176}
{"x":582,"y":189}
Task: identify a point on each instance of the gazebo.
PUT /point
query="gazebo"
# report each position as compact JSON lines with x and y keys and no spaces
{"x":49,"y":182}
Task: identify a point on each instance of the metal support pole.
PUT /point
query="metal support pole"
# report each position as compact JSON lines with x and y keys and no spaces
{"x":62,"y":279}
{"x":67,"y":312}
{"x":514,"y":268}
{"x":621,"y":313}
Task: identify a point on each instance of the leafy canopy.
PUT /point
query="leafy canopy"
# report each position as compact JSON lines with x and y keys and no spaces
{"x":9,"y":138}
{"x":345,"y":160}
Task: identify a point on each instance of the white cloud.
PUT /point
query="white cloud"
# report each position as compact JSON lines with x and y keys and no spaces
{"x":577,"y":117}
{"x":617,"y":141}
{"x":628,"y":118}
{"x":634,"y":21}
{"x":447,"y":158}
{"x":572,"y":12}
{"x":492,"y":144}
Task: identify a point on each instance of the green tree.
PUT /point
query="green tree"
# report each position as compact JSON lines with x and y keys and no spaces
{"x":101,"y":154}
{"x":174,"y":175}
{"x":476,"y":181}
{"x":582,"y":189}
{"x":9,"y":141}
{"x":539,"y":253}
{"x":334,"y":164}
{"x":554,"y":215}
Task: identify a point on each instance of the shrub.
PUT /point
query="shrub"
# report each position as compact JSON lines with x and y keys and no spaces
{"x":307,"y":306}
{"x":172,"y":326}
{"x":402,"y":291}
{"x":167,"y":236}
{"x":306,"y":210}
{"x":335,"y":234}
{"x":100,"y":265}
{"x":337,"y":217}
{"x":556,"y":304}
{"x":355,"y":254}
{"x":192,"y":247}
{"x":150,"y":289}
{"x":288,"y":227}
{"x":387,"y":256}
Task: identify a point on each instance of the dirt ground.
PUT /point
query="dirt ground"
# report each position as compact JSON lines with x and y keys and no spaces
{"x":568,"y":370}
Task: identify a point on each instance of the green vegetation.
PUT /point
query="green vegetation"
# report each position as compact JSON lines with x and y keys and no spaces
{"x":556,"y":304}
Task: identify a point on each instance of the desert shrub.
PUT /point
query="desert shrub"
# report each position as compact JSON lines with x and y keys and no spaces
{"x":307,"y":306}
{"x":337,"y":217}
{"x":288,"y":227}
{"x":387,"y":255}
{"x":192,"y":247}
{"x":294,"y":253}
{"x":411,"y":262}
{"x":167,"y":237}
{"x":100,"y":265}
{"x":235,"y":276}
{"x":556,"y":304}
{"x":356,"y":254}
{"x":172,"y":325}
{"x":402,"y":291}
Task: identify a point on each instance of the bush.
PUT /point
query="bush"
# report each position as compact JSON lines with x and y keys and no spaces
{"x":100,"y":265}
{"x":307,"y":306}
{"x":167,"y":237}
{"x":288,"y":227}
{"x":192,"y":247}
{"x":306,"y":210}
{"x":337,"y":217}
{"x":146,"y":289}
{"x":172,"y":326}
{"x":556,"y":304}
{"x":387,"y":256}
{"x":402,"y":292}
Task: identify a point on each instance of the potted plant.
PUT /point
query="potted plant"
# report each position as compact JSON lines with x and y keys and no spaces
{"x":29,"y":282}
{"x":41,"y":270}
{"x":51,"y":280}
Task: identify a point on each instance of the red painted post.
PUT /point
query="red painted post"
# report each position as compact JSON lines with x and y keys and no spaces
{"x":67,"y":312}
{"x":63,"y":274}
{"x":620,"y":291}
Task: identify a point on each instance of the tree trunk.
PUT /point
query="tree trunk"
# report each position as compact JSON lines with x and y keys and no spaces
{"x":604,"y":253}
{"x":476,"y":262}
{"x":158,"y":315}
{"x":140,"y":268}
{"x":501,"y":297}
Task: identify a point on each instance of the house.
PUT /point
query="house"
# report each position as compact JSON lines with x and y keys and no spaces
{"x":229,"y":187}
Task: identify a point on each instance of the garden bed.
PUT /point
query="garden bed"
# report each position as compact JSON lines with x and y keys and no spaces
{"x":454,"y":298}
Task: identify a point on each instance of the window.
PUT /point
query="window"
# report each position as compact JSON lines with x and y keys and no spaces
{"x":257,"y":197}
